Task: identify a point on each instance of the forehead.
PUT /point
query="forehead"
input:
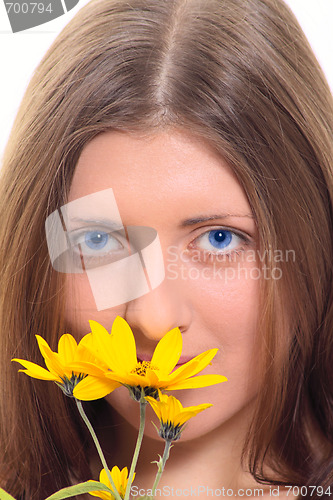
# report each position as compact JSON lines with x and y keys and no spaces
{"x":149,"y":173}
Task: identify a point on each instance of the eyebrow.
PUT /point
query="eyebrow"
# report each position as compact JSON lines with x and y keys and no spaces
{"x":111,"y":224}
{"x":200,"y":219}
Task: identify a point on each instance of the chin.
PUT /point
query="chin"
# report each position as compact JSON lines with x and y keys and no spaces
{"x":210,"y":420}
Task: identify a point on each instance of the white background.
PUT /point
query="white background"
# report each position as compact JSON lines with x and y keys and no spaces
{"x":21,"y":52}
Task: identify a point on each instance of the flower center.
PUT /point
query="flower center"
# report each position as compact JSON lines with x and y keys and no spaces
{"x":142,"y":367}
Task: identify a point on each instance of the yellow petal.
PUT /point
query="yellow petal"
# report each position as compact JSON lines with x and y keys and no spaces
{"x":196,"y":382}
{"x":91,"y":388}
{"x":168,"y":351}
{"x":163,"y":397}
{"x":204,"y":359}
{"x":155,"y":406}
{"x":67,"y":347}
{"x":88,"y":340}
{"x":103,"y":478}
{"x":86,"y":368}
{"x":85,"y":355}
{"x":164,"y":412}
{"x":43,"y":346}
{"x":119,"y":478}
{"x":115,"y":474}
{"x":198,"y":408}
{"x":166,"y":408}
{"x":170,"y":409}
{"x":100,"y":342}
{"x":177,"y":406}
{"x":36,"y":371}
{"x":123,"y":350}
{"x":190,"y":412}
{"x":131,"y":379}
{"x":87,"y":349}
{"x":51,"y":358}
{"x":124,"y":474}
{"x":151,"y":379}
{"x":104,"y":495}
{"x":194,"y":366}
{"x":183,"y":418}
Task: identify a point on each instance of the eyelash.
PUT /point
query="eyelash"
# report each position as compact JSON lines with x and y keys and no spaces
{"x":211,"y":254}
{"x":78,"y":239}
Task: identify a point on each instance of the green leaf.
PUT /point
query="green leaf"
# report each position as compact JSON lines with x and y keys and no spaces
{"x":72,"y":491}
{"x":5,"y":496}
{"x":159,"y":463}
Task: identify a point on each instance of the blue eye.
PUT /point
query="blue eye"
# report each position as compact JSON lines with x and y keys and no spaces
{"x":97,"y":246}
{"x":96,"y":240}
{"x":220,"y":238}
{"x":219,"y":241}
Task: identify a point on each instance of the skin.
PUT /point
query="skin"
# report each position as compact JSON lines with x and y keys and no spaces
{"x":160,"y":181}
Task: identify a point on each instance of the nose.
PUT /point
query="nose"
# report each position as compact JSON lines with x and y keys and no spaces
{"x":160,"y":310}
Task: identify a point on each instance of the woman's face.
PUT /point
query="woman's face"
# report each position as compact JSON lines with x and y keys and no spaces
{"x":176,"y":184}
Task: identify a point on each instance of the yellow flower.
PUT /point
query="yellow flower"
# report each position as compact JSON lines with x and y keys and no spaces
{"x":172,"y":415}
{"x":120,"y":479}
{"x":59,"y":364}
{"x":118,"y":352}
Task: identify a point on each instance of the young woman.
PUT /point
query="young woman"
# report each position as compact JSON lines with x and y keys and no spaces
{"x":209,"y":121}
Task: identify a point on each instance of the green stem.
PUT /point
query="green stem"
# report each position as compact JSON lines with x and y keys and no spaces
{"x":161,"y":467}
{"x":98,"y":447}
{"x":143,"y":404}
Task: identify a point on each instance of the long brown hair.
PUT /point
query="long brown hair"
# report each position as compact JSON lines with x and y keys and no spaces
{"x":241,"y":74}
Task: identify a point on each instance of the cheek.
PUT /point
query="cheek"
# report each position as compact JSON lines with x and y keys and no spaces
{"x":229,"y":316}
{"x":236,"y":318}
{"x":229,"y":307}
{"x":81,"y":307}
